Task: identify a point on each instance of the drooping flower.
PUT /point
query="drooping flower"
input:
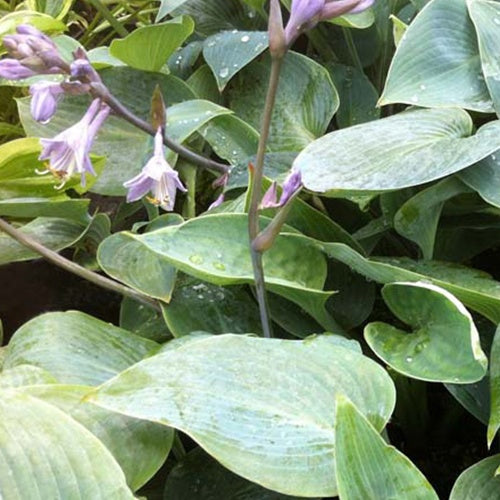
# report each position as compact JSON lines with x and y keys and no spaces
{"x":305,"y":14}
{"x":292,"y":184}
{"x":157,"y":177}
{"x":68,"y":152}
{"x":44,"y":99}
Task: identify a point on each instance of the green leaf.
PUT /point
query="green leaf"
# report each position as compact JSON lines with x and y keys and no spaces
{"x":305,"y":104}
{"x":417,"y":220}
{"x":367,"y":467}
{"x":166,"y":7}
{"x":199,"y":476}
{"x":476,"y":289}
{"x":231,"y":138}
{"x":479,"y":482}
{"x":485,"y":179}
{"x":494,"y":420}
{"x":139,"y":447}
{"x":52,"y":233}
{"x":233,"y":395}
{"x":221,"y":15}
{"x":215,"y":249}
{"x":54,"y":8}
{"x":22,"y":375}
{"x":43,"y":22}
{"x":126,"y":260}
{"x":47,"y":454}
{"x":218,"y":309}
{"x":148,"y":48}
{"x":62,"y":206}
{"x":229,"y":52}
{"x":19,"y":164}
{"x":437,"y":61}
{"x":404,"y":150}
{"x":358,"y":96}
{"x":440,"y":324}
{"x":143,"y":321}
{"x":121,"y":143}
{"x":485,"y":16}
{"x":76,"y":348}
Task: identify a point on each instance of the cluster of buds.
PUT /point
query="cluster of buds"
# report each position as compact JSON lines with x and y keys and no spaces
{"x":304,"y":15}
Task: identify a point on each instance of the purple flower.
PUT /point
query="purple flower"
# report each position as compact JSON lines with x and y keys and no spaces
{"x":68,"y":152}
{"x":12,"y":69}
{"x":292,"y":184}
{"x":158,"y":178}
{"x":218,"y":202}
{"x":305,"y":14}
{"x":31,"y":52}
{"x":45,"y":96}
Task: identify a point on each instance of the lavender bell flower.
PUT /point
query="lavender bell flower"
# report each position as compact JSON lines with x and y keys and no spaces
{"x":68,"y":152}
{"x":158,"y":178}
{"x":292,"y":184}
{"x":45,"y":96}
{"x":305,"y":14}
{"x":11,"y":69}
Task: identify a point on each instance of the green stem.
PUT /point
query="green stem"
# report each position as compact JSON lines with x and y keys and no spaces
{"x":256,"y":194}
{"x":106,"y":14}
{"x":74,"y":268}
{"x":351,"y":46}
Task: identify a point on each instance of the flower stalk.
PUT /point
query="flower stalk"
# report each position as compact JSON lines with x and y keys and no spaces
{"x":72,"y":267}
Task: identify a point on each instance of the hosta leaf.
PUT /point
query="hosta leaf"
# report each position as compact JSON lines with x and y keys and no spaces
{"x":305,"y":104}
{"x":214,"y":248}
{"x":148,"y":48}
{"x":367,"y":467}
{"x":404,"y":150}
{"x":199,"y":476}
{"x":494,"y":421}
{"x":437,"y":62}
{"x":476,"y":289}
{"x":143,"y":321}
{"x":76,"y":348}
{"x":47,"y":454}
{"x":139,"y":447}
{"x":486,"y":18}
{"x":418,"y":218}
{"x":166,"y":7}
{"x":228,"y":52}
{"x":440,"y":324}
{"x":485,"y":178}
{"x":478,"y":482}
{"x":126,"y":260}
{"x":62,"y":206}
{"x":218,"y":309}
{"x":51,"y":232}
{"x":236,"y":397}
{"x":22,"y":375}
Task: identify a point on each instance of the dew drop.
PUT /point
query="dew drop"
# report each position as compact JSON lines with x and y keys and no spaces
{"x":196,"y":259}
{"x":496,"y":20}
{"x":414,"y":98}
{"x":220,"y":266}
{"x":224,"y":72}
{"x":245,"y":38}
{"x":422,"y":87}
{"x":409,"y":359}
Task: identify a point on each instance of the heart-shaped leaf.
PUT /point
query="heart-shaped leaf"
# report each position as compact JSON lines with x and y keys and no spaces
{"x":441,"y":325}
{"x":234,"y":395}
{"x":148,"y":48}
{"x":437,"y":61}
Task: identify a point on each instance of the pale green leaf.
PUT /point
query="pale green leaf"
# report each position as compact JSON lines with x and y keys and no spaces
{"x":479,"y":482}
{"x":440,"y":324}
{"x":236,"y":397}
{"x":437,"y":61}
{"x":76,"y":348}
{"x":367,"y":467}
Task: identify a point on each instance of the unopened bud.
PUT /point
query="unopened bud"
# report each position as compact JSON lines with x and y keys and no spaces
{"x":277,"y":40}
